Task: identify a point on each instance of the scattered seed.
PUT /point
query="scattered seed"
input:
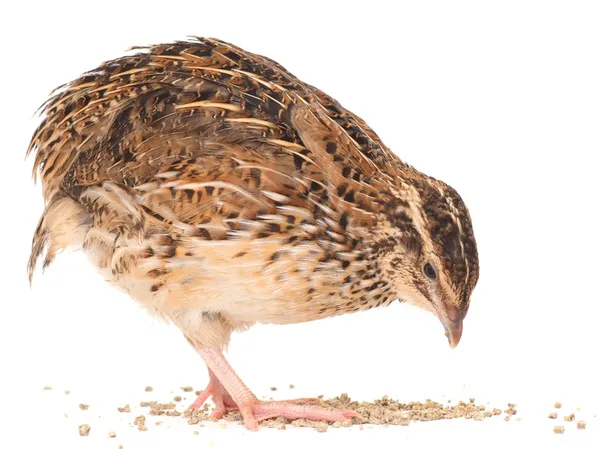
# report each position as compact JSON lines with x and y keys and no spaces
{"x":47,"y":388}
{"x":198,"y":392}
{"x":557,"y":405}
{"x":581,"y":425}
{"x":196,"y":432}
{"x":177,"y":398}
{"x":125,"y":409}
{"x":552,"y":415}
{"x":67,"y":391}
{"x":140,"y":422}
{"x":273,"y":388}
{"x":292,"y":386}
{"x":84,"y":430}
{"x":187,"y":389}
{"x":112,"y":434}
{"x":507,"y":418}
{"x":158,"y":423}
{"x":559,"y":429}
{"x":472,"y":400}
{"x":84,"y":406}
{"x":570,"y":417}
{"x":148,"y":388}
{"x":322,"y":427}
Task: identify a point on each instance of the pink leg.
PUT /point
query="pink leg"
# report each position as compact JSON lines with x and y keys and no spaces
{"x":216,"y":391}
{"x":227,"y":389}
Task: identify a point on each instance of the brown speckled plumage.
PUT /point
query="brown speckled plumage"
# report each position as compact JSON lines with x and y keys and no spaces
{"x":219,"y":190}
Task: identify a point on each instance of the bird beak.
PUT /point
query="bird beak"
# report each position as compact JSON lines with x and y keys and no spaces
{"x":453,"y":324}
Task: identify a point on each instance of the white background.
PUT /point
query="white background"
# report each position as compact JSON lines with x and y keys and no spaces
{"x":499,"y":99}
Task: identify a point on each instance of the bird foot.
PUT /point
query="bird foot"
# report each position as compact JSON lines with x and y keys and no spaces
{"x":221,"y":398}
{"x":255,"y":411}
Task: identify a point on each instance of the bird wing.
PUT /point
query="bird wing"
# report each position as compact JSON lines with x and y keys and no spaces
{"x":132,"y":117}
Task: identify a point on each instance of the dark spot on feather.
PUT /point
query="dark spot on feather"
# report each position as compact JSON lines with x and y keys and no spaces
{"x":255,"y":175}
{"x":209,"y":190}
{"x":349,"y":196}
{"x":153,"y":274}
{"x":346,"y":171}
{"x":154,"y":288}
{"x":315,"y":186}
{"x":204,"y":234}
{"x":274,"y":227}
{"x":344,"y":220}
{"x":240,"y":254}
{"x":345,"y":264}
{"x":331,"y":147}
{"x":298,"y":162}
{"x":341,"y":189}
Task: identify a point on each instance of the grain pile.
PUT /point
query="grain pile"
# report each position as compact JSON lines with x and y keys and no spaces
{"x":384,"y":411}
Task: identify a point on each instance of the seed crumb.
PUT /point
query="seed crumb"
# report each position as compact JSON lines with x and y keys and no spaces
{"x":177,"y":398}
{"x":67,"y":391}
{"x":140,"y":422}
{"x":559,"y":429}
{"x":84,"y":430}
{"x":148,"y":388}
{"x":187,"y":389}
{"x":292,"y":386}
{"x":198,"y":392}
{"x":322,"y":427}
{"x":112,"y":434}
{"x":581,"y":425}
{"x":557,"y":405}
{"x":125,"y":409}
{"x":47,"y":388}
{"x":158,"y":423}
{"x":84,"y":406}
{"x":273,"y":388}
{"x":570,"y":417}
{"x":196,"y":432}
{"x":472,"y":400}
{"x":552,"y":415}
{"x":507,"y":418}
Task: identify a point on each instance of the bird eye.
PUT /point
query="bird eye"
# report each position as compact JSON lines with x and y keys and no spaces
{"x":429,"y":271}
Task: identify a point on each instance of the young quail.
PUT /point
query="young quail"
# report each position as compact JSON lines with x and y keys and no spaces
{"x":219,"y":190}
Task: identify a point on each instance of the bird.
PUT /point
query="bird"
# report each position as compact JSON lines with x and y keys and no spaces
{"x":219,"y":191}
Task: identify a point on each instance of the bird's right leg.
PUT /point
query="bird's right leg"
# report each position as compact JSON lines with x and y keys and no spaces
{"x":223,"y":400}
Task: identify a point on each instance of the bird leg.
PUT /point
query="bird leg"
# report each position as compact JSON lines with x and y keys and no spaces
{"x":230,"y":393}
{"x":217,"y":392}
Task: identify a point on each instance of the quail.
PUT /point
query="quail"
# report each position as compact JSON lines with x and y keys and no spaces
{"x":218,"y":190}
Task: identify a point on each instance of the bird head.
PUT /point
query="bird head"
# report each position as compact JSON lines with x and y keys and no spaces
{"x":428,"y":251}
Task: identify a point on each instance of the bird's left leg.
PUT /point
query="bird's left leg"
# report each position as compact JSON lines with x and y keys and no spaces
{"x":219,"y":395}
